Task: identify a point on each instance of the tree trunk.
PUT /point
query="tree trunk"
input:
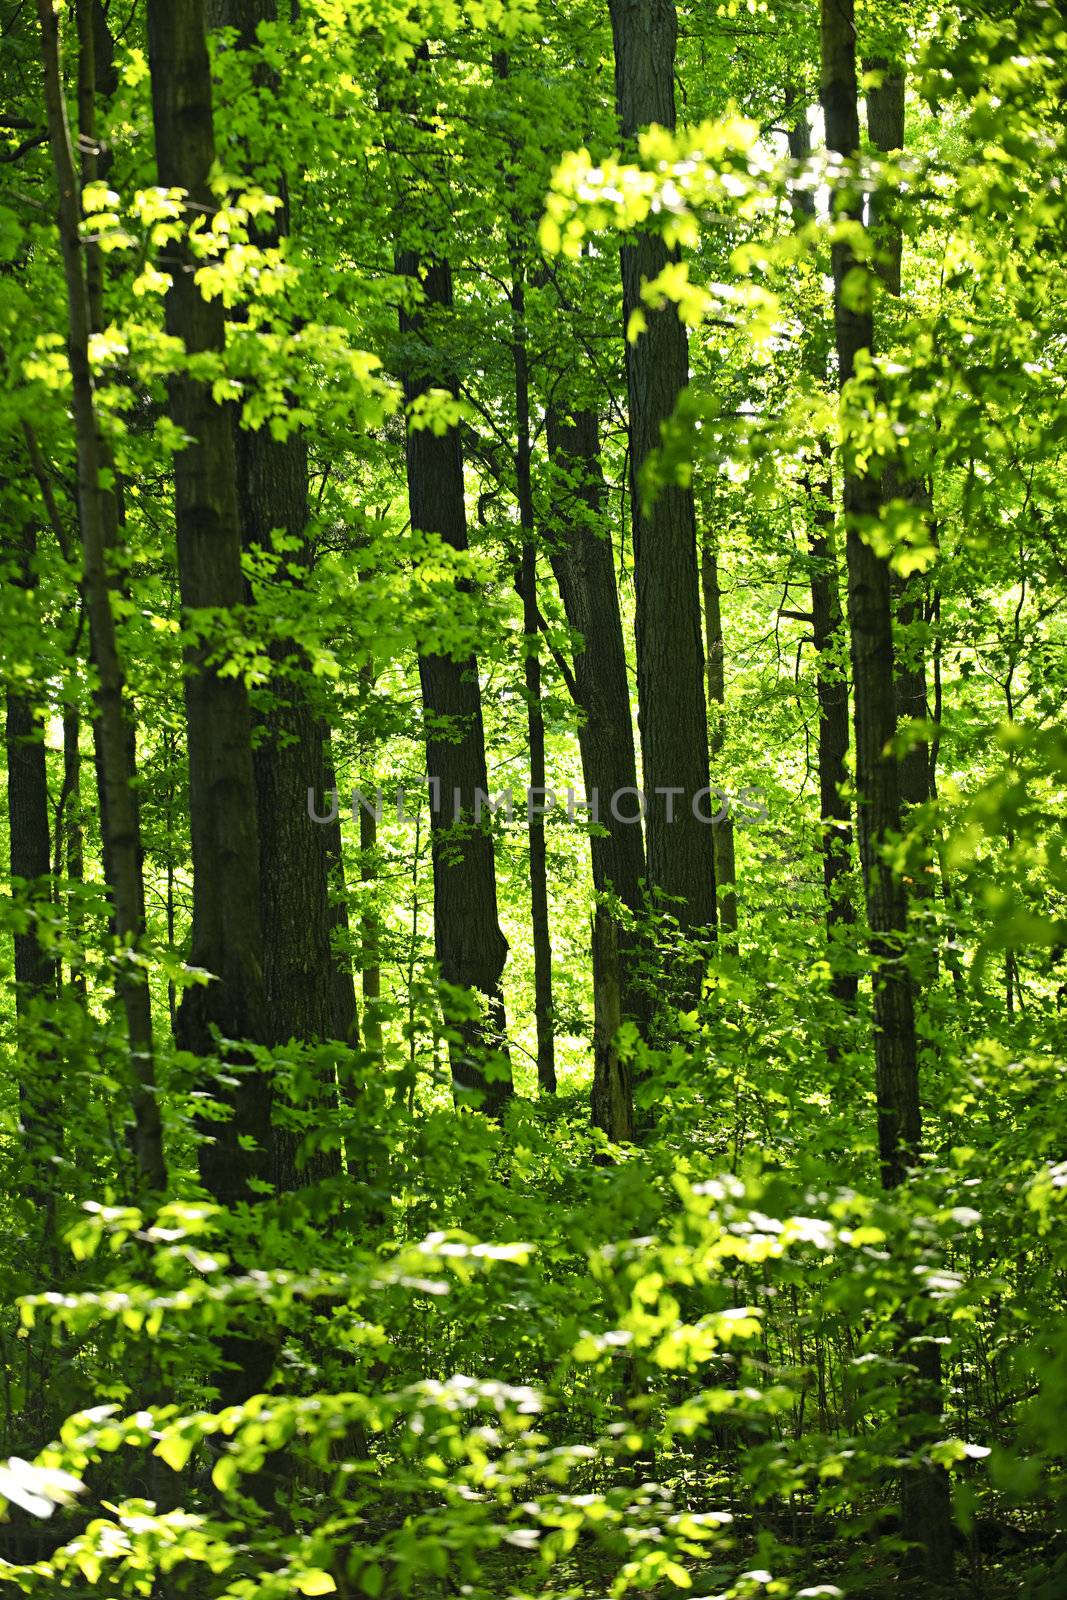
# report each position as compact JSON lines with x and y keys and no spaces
{"x":72,"y":839}
{"x":526,"y":585}
{"x":885,"y":125}
{"x":926,"y":1518}
{"x":582,"y":563}
{"x":535,"y":722}
{"x":309,"y":994}
{"x":831,"y":677}
{"x":670,"y":663}
{"x":226,"y":933}
{"x":723,"y":832}
{"x":369,"y":932}
{"x":471,"y":949}
{"x":36,"y":975}
{"x":119,"y":819}
{"x":871,"y":626}
{"x":69,"y":845}
{"x":345,"y":1009}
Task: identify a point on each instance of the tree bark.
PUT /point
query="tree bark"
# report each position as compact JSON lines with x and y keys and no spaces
{"x":885,"y":126}
{"x":581,"y":559}
{"x":535,"y":722}
{"x":470,"y":948}
{"x":73,"y":841}
{"x":831,"y":678}
{"x":925,"y":1503}
{"x":120,"y":820}
{"x":36,"y":974}
{"x":723,"y":831}
{"x":310,"y":995}
{"x":69,"y":844}
{"x":670,"y":664}
{"x":226,"y":932}
{"x":871,"y":627}
{"x":526,"y":585}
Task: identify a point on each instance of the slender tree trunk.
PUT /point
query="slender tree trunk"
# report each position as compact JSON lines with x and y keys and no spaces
{"x":926,"y":1493}
{"x":926,"y":1518}
{"x":73,"y":840}
{"x":582,"y":563}
{"x":871,"y":627}
{"x":370,"y":933}
{"x":670,"y":663}
{"x":832,"y":692}
{"x":370,"y":969}
{"x":535,"y":722}
{"x":69,"y":844}
{"x":120,"y":818}
{"x":345,"y":1010}
{"x":885,"y":125}
{"x":36,"y":968}
{"x":471,"y":949}
{"x":526,"y":585}
{"x":831,"y":676}
{"x":36,"y":975}
{"x":723,"y":834}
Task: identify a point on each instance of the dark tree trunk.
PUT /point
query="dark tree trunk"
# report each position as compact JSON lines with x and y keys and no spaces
{"x":36,"y":969}
{"x":370,"y":933}
{"x":926,"y":1511}
{"x":345,"y":1009}
{"x":288,"y":759}
{"x":582,"y":563}
{"x":68,"y":850}
{"x":226,"y":935}
{"x":831,"y":677}
{"x":98,"y":78}
{"x":370,"y":930}
{"x":670,"y":661}
{"x":471,"y":949}
{"x":535,"y":722}
{"x":885,"y":125}
{"x":309,"y":995}
{"x":832,"y":692}
{"x":871,"y":627}
{"x":72,"y":841}
{"x":723,"y":835}
{"x":36,"y":976}
{"x":119,"y":820}
{"x":309,"y":991}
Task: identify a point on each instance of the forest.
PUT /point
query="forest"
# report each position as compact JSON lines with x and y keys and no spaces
{"x":533,"y":643}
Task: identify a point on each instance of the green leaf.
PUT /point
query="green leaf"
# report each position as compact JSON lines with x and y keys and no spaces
{"x":315,"y":1581}
{"x":175,"y":1449}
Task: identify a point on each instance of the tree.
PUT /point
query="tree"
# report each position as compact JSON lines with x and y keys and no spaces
{"x":582,"y":562}
{"x":309,"y":991}
{"x":230,"y":1008}
{"x":526,"y":584}
{"x":829,"y":639}
{"x":121,"y":822}
{"x":878,"y":805}
{"x":670,"y":662}
{"x":471,"y":949}
{"x":723,"y":835}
